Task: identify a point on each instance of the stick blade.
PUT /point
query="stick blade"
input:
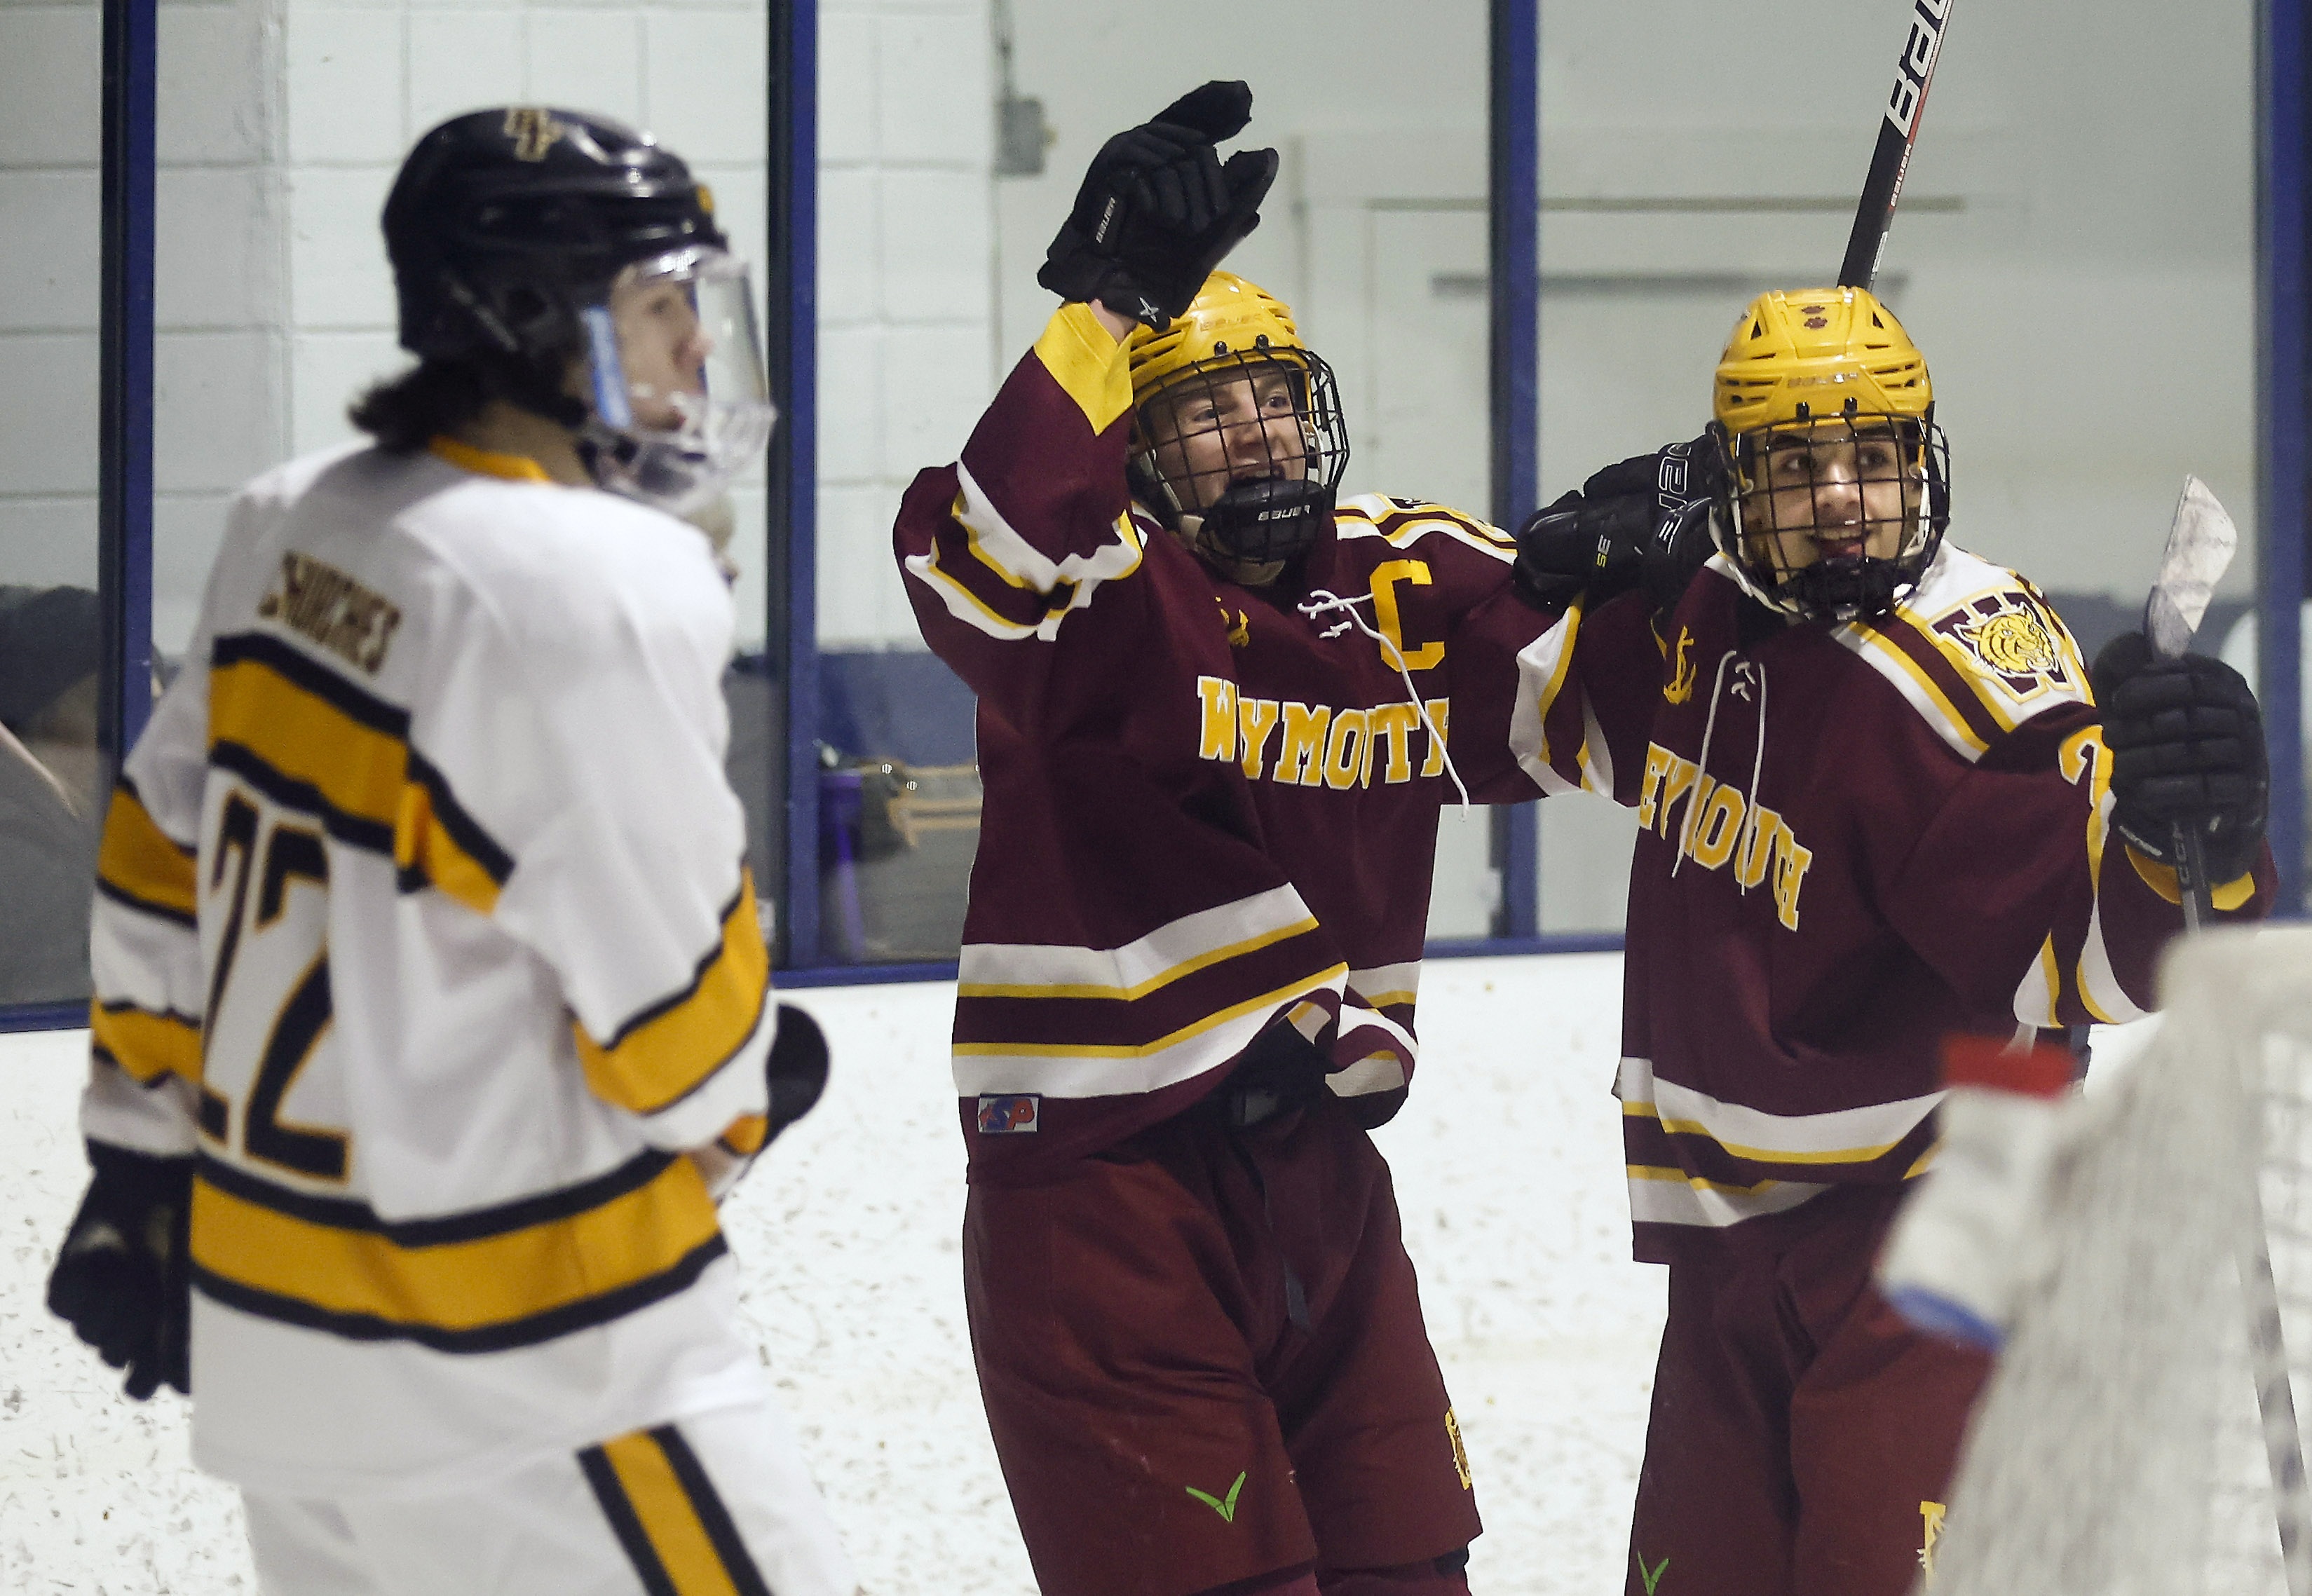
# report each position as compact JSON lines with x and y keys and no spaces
{"x":2201,"y":543}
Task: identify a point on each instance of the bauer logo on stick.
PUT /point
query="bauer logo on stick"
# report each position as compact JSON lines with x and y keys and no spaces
{"x":1918,"y":64}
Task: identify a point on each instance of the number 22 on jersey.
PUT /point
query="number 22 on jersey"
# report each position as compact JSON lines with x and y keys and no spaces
{"x":264,"y":891}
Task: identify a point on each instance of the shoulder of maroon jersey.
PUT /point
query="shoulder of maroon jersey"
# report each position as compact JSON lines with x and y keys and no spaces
{"x":1974,"y":649}
{"x":1369,"y":525}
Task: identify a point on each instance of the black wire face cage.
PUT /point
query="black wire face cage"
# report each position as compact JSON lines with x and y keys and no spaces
{"x":1251,"y":442}
{"x":1813,"y":496}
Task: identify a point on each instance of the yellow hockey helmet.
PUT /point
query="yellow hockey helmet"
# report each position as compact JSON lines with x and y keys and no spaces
{"x":1826,"y":420}
{"x":1229,"y":317}
{"x":1260,"y":483}
{"x":1814,"y":353}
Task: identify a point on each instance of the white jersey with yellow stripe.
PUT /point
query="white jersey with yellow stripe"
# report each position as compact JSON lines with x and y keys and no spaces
{"x":422,"y":923}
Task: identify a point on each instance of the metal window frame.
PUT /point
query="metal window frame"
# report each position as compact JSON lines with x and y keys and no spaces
{"x":125,"y":550}
{"x":1514,"y":66}
{"x":123,"y":540}
{"x":2283,"y":411}
{"x":792,"y":502}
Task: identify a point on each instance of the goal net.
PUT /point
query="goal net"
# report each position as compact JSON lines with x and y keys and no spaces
{"x":2141,"y":1407}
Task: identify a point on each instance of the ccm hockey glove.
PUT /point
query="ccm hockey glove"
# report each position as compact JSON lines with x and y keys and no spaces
{"x":1158,"y":210}
{"x":1644,"y":522}
{"x":123,"y":1277}
{"x":2186,"y":741}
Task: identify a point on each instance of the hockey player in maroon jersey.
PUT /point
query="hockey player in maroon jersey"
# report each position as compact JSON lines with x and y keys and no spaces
{"x":1213,"y":708}
{"x":1878,"y":806}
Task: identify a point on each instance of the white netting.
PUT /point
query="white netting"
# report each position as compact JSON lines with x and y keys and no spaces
{"x":2122,"y":1449}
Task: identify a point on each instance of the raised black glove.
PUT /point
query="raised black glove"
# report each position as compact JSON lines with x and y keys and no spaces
{"x":123,"y":1277}
{"x":1642,"y":522}
{"x":796,"y":1067}
{"x":1158,"y":210}
{"x":2186,"y":741}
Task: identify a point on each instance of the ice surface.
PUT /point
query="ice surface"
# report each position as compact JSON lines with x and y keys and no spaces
{"x":1509,"y":1171}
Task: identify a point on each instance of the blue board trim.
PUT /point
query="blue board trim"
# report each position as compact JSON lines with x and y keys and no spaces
{"x":2283,"y":370}
{"x":1515,"y":240}
{"x":794,"y":167}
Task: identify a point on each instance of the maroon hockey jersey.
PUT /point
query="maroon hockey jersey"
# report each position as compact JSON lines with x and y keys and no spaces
{"x":1206,"y":805}
{"x":1854,"y":841}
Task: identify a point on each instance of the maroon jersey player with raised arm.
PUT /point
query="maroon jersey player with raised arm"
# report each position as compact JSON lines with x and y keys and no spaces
{"x":1212,"y":717}
{"x":1878,"y":806}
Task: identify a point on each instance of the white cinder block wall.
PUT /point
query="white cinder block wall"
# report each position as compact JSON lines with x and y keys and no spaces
{"x":281,"y":126}
{"x":907,"y":353}
{"x":50,"y":149}
{"x":220,"y":372}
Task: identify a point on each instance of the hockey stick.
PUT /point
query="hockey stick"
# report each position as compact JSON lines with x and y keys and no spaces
{"x":1896,"y":134}
{"x":2200,"y":543}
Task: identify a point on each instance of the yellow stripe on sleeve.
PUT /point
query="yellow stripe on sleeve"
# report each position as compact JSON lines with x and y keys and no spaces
{"x":745,"y":1135}
{"x":665,"y":1053}
{"x":1087,"y":364}
{"x":146,"y":1044}
{"x":140,"y":862}
{"x":1957,"y":727}
{"x":1547,"y":701}
{"x":424,"y":847}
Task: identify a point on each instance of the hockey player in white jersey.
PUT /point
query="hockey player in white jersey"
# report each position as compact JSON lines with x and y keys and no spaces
{"x":432,"y":1012}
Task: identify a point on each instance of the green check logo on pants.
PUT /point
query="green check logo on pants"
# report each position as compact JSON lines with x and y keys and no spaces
{"x":1223,"y":1506}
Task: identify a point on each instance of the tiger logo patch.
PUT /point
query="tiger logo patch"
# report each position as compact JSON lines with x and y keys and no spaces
{"x":2013,"y":644}
{"x":2005,"y":636}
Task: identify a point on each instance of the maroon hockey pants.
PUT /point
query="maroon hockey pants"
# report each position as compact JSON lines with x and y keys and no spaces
{"x":1167,"y":1421}
{"x":1802,"y":1436}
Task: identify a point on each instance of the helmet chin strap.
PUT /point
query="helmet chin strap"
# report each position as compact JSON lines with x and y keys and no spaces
{"x":1267,"y":518}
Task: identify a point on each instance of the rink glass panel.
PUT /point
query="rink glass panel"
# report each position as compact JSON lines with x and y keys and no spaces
{"x":51,"y":780}
{"x":2076,"y":263}
{"x":2077,"y":266}
{"x":1376,"y":220}
{"x":279,"y":136}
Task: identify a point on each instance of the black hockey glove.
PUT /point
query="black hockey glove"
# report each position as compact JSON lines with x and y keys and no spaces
{"x":797,"y":1069}
{"x":1644,"y":522}
{"x":1158,"y":211}
{"x":2186,"y":741}
{"x":123,"y":1277}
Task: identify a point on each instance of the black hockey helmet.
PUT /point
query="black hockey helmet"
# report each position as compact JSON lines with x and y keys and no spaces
{"x":503,"y":223}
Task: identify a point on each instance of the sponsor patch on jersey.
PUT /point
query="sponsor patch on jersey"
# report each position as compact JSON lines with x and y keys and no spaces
{"x":1009,"y":1116}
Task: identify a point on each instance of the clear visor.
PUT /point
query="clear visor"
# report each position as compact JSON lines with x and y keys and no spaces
{"x":675,"y":373}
